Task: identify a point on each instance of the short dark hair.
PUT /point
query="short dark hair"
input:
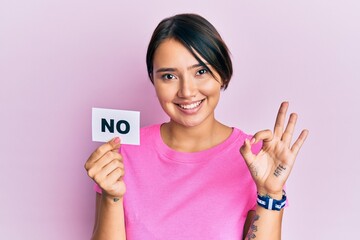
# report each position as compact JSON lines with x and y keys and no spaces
{"x":195,"y":33}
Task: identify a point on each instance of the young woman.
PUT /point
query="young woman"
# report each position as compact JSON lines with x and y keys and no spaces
{"x":193,"y":177}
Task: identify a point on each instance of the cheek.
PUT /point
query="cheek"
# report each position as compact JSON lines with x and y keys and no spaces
{"x":164,"y":94}
{"x":211,"y":88}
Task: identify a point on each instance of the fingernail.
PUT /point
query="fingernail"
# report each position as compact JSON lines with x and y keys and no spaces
{"x":116,"y":140}
{"x":252,"y":141}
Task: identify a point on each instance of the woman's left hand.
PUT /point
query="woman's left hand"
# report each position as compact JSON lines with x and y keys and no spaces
{"x":271,"y":167}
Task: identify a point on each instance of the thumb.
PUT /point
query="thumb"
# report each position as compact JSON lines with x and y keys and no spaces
{"x":112,"y":145}
{"x":115,"y":143}
{"x":264,"y":135}
{"x":246,"y":152}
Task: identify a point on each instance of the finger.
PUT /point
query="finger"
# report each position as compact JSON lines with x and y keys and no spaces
{"x":111,"y":181}
{"x":299,"y":142}
{"x":111,"y":166}
{"x":264,"y":135}
{"x":113,"y":144}
{"x":116,"y":175}
{"x":108,"y":157}
{"x":101,"y":175}
{"x":280,"y":119}
{"x":116,"y":150}
{"x":246,"y":152}
{"x":117,"y":187}
{"x":95,"y":167}
{"x":289,"y":130}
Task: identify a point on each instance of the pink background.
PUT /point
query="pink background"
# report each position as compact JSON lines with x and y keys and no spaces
{"x":60,"y":58}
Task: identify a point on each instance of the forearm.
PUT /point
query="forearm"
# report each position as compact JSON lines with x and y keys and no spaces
{"x":110,"y":222}
{"x":265,"y":225}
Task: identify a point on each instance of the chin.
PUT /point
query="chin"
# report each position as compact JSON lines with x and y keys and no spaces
{"x":190,"y":122}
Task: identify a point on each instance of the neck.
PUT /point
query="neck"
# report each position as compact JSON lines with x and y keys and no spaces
{"x":196,"y":138}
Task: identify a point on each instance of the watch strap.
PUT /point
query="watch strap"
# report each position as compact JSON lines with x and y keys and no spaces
{"x":270,"y":203}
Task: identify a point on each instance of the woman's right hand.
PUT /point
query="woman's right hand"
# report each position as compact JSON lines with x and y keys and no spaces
{"x":105,"y":166}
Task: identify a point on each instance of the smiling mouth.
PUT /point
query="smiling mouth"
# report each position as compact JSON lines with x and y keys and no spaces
{"x":190,"y":106}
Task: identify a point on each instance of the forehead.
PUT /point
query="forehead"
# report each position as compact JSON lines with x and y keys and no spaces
{"x":172,"y":53}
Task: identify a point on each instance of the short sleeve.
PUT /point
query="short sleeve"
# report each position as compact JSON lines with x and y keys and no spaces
{"x":255,"y":148}
{"x":253,"y":207}
{"x":97,"y":188}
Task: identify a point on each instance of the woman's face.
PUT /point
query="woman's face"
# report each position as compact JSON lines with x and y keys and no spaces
{"x":187,"y":92}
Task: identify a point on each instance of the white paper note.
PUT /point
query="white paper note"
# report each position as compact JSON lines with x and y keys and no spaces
{"x":110,"y":123}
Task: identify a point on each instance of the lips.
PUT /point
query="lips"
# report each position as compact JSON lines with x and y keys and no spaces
{"x":190,"y":106}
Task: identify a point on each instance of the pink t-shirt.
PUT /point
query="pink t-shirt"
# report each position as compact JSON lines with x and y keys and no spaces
{"x":175,"y":195}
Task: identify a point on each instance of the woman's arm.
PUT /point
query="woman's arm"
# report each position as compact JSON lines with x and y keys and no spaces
{"x":263,"y":224}
{"x":270,"y":169}
{"x":109,"y":222}
{"x":105,"y":166}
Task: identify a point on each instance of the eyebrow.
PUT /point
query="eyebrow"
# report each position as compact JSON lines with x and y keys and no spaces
{"x":175,"y":69}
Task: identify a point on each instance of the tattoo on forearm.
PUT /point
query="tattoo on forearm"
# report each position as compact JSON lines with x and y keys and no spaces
{"x":279,"y":170}
{"x":253,"y":228}
{"x":253,"y":170}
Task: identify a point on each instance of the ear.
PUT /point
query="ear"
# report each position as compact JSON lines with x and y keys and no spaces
{"x":151,"y":77}
{"x":222,"y":83}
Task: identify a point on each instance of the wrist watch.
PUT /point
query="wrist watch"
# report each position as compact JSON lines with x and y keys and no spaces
{"x":271,"y":204}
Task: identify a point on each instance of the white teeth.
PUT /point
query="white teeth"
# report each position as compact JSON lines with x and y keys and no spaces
{"x":190,"y":106}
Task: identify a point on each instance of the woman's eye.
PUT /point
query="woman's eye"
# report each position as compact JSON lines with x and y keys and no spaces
{"x":202,"y":71}
{"x":168,"y":76}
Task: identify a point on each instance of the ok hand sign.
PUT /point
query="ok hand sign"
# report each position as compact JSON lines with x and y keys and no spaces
{"x":271,"y":167}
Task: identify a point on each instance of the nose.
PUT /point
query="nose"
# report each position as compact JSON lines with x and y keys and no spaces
{"x":187,"y":88}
